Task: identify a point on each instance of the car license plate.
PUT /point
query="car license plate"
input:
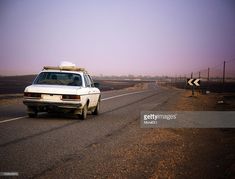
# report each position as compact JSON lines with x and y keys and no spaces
{"x":51,"y":97}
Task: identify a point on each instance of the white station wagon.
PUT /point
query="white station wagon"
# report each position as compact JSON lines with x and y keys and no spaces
{"x":63,"y":89}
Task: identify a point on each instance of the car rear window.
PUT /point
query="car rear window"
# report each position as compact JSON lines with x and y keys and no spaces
{"x":58,"y":78}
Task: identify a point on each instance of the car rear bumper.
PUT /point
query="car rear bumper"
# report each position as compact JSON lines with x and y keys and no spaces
{"x":51,"y":105}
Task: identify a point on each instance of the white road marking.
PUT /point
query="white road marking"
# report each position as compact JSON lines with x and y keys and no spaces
{"x":13,"y":119}
{"x":125,"y":94}
{"x":112,"y":97}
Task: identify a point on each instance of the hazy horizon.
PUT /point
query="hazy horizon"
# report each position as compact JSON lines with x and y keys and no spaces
{"x":152,"y":37}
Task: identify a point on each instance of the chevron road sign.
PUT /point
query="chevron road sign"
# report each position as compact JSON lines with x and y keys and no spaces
{"x":192,"y":82}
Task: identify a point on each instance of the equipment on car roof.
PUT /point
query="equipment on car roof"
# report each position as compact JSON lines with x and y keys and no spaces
{"x":66,"y":68}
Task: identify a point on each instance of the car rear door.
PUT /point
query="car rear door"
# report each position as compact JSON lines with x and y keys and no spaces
{"x":91,"y":91}
{"x":95,"y":92}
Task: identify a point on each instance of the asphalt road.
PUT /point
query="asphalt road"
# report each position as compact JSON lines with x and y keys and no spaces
{"x":35,"y":146}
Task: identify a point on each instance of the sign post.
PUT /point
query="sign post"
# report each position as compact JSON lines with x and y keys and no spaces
{"x":193,"y":82}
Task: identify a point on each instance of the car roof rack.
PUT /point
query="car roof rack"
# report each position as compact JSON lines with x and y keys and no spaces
{"x":64,"y":68}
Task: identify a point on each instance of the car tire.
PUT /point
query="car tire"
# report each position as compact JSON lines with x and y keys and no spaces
{"x":32,"y":115}
{"x":84,"y":112}
{"x":97,"y":109}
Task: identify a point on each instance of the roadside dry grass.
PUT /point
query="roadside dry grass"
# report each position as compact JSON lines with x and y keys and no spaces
{"x":11,"y":101}
{"x":208,"y":102}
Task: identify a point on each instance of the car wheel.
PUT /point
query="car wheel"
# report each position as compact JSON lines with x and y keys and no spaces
{"x":97,"y":109}
{"x":31,"y":115}
{"x":84,"y":112}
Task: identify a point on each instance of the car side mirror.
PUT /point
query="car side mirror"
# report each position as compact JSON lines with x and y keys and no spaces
{"x":97,"y":85}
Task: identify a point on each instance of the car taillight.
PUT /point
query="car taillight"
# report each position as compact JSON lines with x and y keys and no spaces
{"x":32,"y":95}
{"x":70,"y":97}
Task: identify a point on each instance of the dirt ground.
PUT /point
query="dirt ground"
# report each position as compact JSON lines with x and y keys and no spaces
{"x":199,"y":153}
{"x":203,"y":153}
{"x":206,"y":102}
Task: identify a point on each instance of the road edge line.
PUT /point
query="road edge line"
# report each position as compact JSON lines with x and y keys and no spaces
{"x":13,"y":119}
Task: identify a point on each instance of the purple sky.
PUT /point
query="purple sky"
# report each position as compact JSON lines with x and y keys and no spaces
{"x":121,"y":37}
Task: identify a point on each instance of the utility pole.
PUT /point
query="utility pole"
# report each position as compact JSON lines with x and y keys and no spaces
{"x":208,"y":78}
{"x":223,"y":76}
